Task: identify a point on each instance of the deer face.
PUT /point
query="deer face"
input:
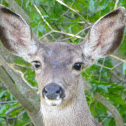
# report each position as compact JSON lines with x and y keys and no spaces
{"x":58,"y":65}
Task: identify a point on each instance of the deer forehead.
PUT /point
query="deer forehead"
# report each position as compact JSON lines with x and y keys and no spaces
{"x":56,"y":54}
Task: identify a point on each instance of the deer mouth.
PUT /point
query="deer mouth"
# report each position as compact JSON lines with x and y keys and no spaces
{"x":53,"y":102}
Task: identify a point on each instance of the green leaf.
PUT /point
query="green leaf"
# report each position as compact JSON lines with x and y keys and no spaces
{"x":103,"y":88}
{"x":107,"y":122}
{"x":27,"y":3}
{"x":124,"y":68}
{"x":2,"y":93}
{"x":91,"y":6}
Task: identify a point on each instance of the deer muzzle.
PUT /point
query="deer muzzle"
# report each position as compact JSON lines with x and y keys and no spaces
{"x":53,"y":94}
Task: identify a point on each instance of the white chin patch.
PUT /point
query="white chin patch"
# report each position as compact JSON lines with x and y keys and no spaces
{"x":53,"y":102}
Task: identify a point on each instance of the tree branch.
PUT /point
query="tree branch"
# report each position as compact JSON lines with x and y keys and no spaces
{"x":111,"y":108}
{"x":118,"y":58}
{"x":108,"y":105}
{"x":75,"y":11}
{"x":21,"y":91}
{"x":116,"y":3}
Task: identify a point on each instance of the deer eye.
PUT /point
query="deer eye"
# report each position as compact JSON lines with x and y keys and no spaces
{"x":78,"y":66}
{"x":36,"y":64}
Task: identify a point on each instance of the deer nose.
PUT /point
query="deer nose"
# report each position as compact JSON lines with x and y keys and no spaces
{"x":53,"y":91}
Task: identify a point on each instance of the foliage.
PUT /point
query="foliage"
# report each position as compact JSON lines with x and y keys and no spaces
{"x":104,"y":79}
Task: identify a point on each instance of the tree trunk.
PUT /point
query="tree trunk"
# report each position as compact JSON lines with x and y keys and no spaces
{"x":21,"y":90}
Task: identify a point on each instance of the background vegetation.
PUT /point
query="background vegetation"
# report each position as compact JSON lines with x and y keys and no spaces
{"x":70,"y":20}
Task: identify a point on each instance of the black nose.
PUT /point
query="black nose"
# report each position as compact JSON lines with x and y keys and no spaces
{"x":53,"y":91}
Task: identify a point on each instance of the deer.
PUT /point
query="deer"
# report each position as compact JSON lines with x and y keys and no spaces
{"x":58,"y":65}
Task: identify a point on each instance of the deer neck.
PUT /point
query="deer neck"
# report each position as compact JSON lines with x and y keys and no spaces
{"x":75,"y":114}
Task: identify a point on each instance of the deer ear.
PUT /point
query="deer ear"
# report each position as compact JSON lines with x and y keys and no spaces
{"x":105,"y":35}
{"x":16,"y":34}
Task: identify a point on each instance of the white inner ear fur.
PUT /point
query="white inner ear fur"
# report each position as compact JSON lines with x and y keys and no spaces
{"x":18,"y":33}
{"x":102,"y":36}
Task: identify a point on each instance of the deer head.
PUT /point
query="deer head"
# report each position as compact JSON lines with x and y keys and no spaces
{"x":58,"y":65}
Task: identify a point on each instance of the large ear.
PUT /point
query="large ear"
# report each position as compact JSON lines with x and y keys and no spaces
{"x":16,"y":35}
{"x":105,"y":35}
